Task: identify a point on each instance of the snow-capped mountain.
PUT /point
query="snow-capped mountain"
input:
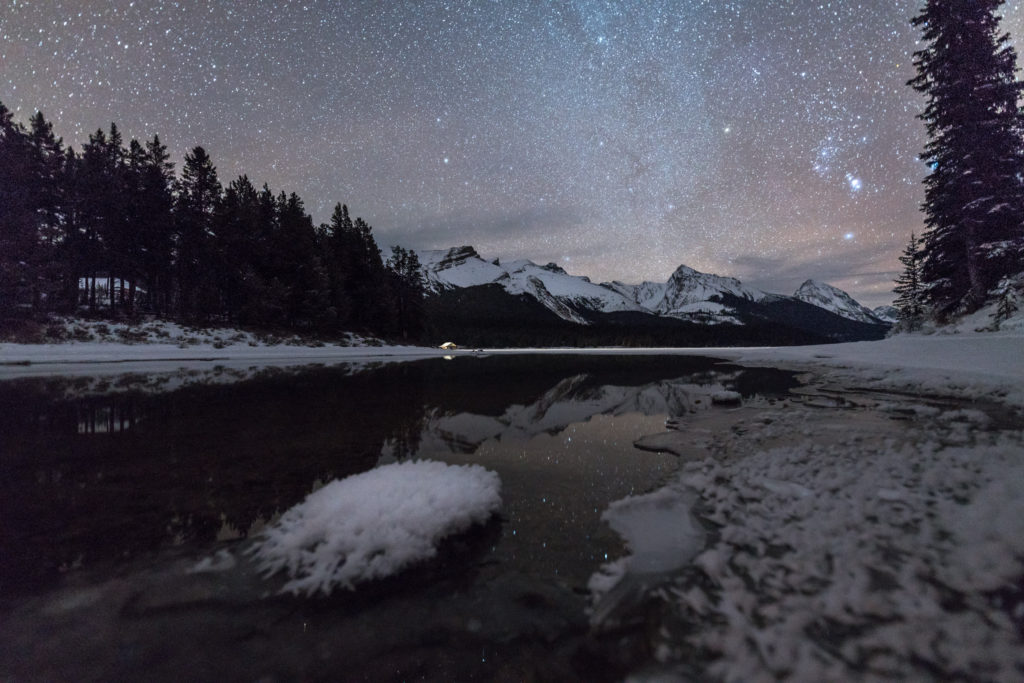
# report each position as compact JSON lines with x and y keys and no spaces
{"x":836,"y":300}
{"x":692,"y":295}
{"x":567,"y":296}
{"x":688,"y":296}
{"x":887,"y":314}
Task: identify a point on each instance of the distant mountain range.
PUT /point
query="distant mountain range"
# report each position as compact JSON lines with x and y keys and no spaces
{"x":691,"y":308}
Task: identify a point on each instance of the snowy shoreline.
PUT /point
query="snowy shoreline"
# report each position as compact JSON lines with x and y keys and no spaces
{"x":967,"y":365}
{"x":830,"y":541}
{"x":879,"y":538}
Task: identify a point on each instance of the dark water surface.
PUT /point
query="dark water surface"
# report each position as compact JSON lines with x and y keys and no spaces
{"x":112,"y":489}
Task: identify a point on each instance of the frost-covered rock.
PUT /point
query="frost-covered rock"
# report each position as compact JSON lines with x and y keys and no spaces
{"x":374,"y":524}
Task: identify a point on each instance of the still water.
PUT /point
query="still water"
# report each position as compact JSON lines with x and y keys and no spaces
{"x":113,"y":488}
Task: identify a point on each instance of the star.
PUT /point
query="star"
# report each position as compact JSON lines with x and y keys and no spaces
{"x":574,"y":125}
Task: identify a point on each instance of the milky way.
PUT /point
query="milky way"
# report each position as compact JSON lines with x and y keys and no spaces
{"x":768,"y":140}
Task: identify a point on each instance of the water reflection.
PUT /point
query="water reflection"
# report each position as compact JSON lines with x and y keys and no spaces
{"x":105,"y":419}
{"x":97,"y":472}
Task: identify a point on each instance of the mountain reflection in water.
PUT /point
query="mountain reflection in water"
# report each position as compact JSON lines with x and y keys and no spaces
{"x":98,"y":473}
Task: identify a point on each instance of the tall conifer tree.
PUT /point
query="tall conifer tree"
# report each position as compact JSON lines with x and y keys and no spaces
{"x":157,"y":226}
{"x":407,"y":288}
{"x":974,"y":198}
{"x":18,"y":238}
{"x":198,"y":196}
{"x":909,"y":291}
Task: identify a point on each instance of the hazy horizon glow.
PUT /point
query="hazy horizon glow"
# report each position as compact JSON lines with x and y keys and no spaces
{"x":771,"y":141}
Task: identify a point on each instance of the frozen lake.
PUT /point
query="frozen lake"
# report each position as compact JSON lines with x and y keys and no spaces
{"x":115,"y":487}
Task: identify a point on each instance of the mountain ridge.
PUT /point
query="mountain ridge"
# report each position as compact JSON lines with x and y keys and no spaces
{"x":688,"y":295}
{"x":832,"y":298}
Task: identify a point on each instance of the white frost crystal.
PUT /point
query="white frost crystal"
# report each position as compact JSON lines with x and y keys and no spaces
{"x":373,"y":524}
{"x":866,"y":545}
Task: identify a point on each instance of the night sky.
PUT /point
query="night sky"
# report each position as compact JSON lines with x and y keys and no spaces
{"x":768,"y":140}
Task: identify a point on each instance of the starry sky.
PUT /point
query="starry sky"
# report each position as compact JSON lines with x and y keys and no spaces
{"x":769,"y":140}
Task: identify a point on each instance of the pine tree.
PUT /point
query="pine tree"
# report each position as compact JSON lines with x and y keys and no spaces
{"x":48,"y":161}
{"x":356,"y":270}
{"x":198,"y":195}
{"x":237,"y":235}
{"x":910,"y":294}
{"x":18,"y":238}
{"x":134,"y":248}
{"x":99,"y":200}
{"x":308,"y":302}
{"x":369,"y":278}
{"x":1007,"y":294}
{"x":156,"y":229}
{"x":974,"y":197}
{"x":337,"y":250}
{"x":407,"y":289}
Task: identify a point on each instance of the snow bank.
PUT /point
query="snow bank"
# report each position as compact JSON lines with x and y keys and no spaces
{"x":95,"y":348}
{"x":864,"y":556}
{"x":374,"y":524}
{"x":975,"y":365}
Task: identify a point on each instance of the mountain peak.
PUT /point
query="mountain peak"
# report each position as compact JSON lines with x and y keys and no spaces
{"x":464,"y":252}
{"x":833,"y":299}
{"x":812,"y":285}
{"x":701,"y":297}
{"x":555,"y":268}
{"x":684,"y":271}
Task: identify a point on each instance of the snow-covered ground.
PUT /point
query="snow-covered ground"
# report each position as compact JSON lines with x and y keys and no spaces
{"x":969,"y":365}
{"x":94,"y":348}
{"x":882,"y":542}
{"x":861,"y":560}
{"x":839,"y":545}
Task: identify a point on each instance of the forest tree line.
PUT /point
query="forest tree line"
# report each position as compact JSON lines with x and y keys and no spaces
{"x":111,"y":229}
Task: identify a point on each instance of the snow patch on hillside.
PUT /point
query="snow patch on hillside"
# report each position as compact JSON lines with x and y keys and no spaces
{"x":647,"y":295}
{"x":374,"y":524}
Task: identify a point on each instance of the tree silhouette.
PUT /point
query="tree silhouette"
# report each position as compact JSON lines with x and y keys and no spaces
{"x":909,"y":290}
{"x":974,"y":194}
